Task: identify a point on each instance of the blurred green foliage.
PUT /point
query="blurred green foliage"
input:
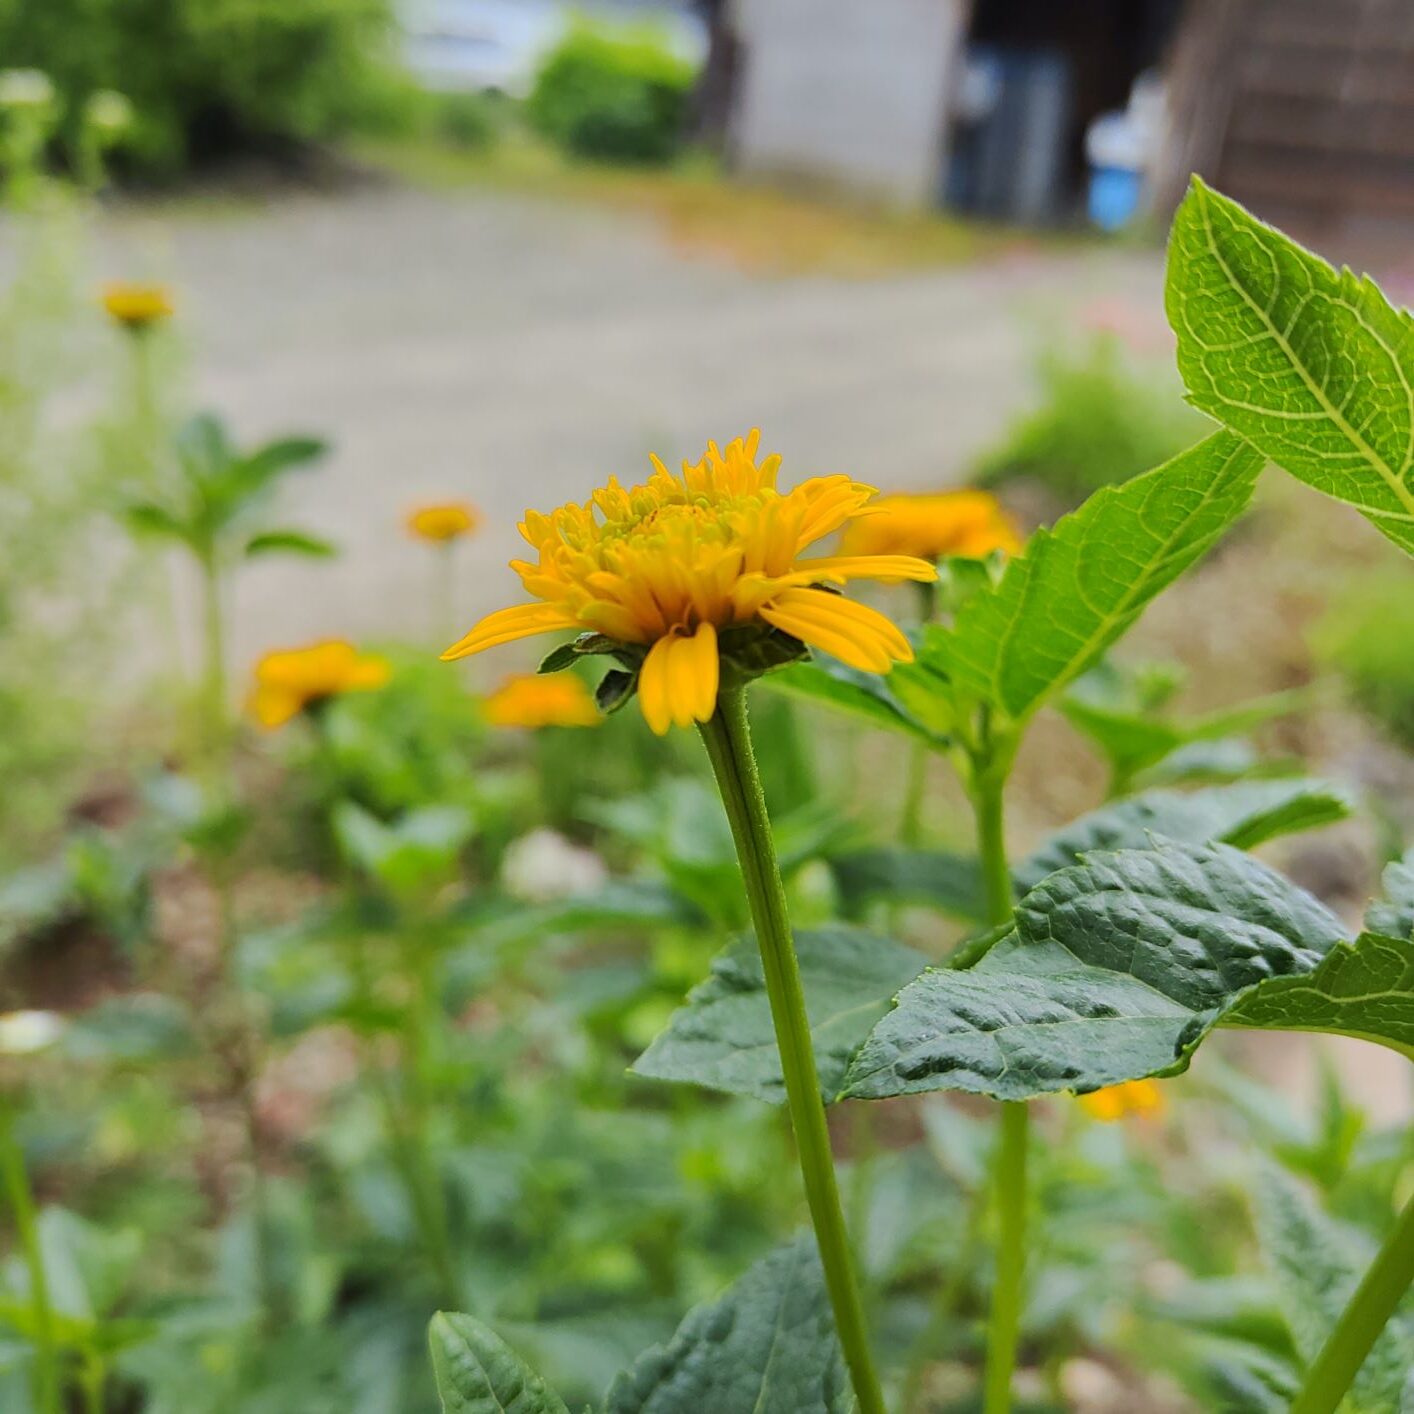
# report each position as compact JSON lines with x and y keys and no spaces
{"x":207,"y":78}
{"x":1366,"y":636}
{"x":612,"y":95}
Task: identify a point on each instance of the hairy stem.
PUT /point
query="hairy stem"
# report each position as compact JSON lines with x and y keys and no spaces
{"x":1374,"y":1302}
{"x":728,"y":741}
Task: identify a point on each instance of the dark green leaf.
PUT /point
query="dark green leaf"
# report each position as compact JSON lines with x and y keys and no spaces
{"x":723,"y":1036}
{"x":1116,"y":969}
{"x":478,"y":1373}
{"x":767,"y":1346}
{"x":933,"y":878}
{"x":1311,"y":365}
{"x":831,"y":684}
{"x":559,"y":658}
{"x":1079,"y":586}
{"x":290,"y":542}
{"x":615,"y":689}
{"x":1242,"y":815}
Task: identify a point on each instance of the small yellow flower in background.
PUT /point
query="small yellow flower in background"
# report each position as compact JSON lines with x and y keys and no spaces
{"x":288,"y":681}
{"x":442,"y":523}
{"x":541,"y":700}
{"x":1142,"y":1098}
{"x":969,"y":523}
{"x":666,"y":564}
{"x":135,"y":306}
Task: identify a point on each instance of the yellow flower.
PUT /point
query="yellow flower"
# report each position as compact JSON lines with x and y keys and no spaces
{"x":444,"y":522}
{"x":1134,"y":1097}
{"x":541,"y":700}
{"x":666,"y":564}
{"x":288,"y":681}
{"x":969,"y":523}
{"x":136,"y":306}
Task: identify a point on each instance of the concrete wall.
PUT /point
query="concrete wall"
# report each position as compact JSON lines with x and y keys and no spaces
{"x":850,"y":92}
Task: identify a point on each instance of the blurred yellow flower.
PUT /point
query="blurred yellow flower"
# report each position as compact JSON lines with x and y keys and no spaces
{"x":288,"y":681}
{"x":1135,"y":1097}
{"x":442,"y":523}
{"x":666,"y":564}
{"x":137,"y":306}
{"x":541,"y":700}
{"x":969,"y":523}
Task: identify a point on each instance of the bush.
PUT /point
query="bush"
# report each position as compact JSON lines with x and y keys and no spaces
{"x":1099,"y":420}
{"x":207,"y":78}
{"x":616,"y":96}
{"x":1368,"y":636}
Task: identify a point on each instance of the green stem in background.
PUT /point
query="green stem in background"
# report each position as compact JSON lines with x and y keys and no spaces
{"x":1374,"y":1302}
{"x":21,"y":1200}
{"x":93,"y":1376}
{"x":728,"y":740}
{"x":444,"y":592}
{"x":987,"y":782}
{"x":910,"y":830}
{"x":213,"y":684}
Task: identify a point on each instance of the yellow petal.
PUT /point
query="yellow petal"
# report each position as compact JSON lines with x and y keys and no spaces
{"x":653,"y":687}
{"x":891,"y":567}
{"x":705,"y":669}
{"x":506,"y":625}
{"x":853,"y":633}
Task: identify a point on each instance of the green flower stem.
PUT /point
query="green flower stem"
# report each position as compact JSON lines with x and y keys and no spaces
{"x":21,"y":1200}
{"x":1375,"y":1301}
{"x":988,"y":780}
{"x":728,"y":740}
{"x":213,"y":687}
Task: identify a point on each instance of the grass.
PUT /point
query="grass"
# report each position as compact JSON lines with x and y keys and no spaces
{"x":703,"y":212}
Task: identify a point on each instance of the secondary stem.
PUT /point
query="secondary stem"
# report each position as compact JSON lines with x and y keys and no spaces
{"x":1009,"y":1175}
{"x":21,"y":1199}
{"x":1375,"y":1301}
{"x":728,"y":740}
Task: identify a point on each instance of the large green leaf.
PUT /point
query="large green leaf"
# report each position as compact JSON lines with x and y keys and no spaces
{"x":1316,"y":1264}
{"x":767,"y":1346}
{"x":1079,"y":586}
{"x":1243,"y":815}
{"x":1364,"y":988}
{"x":1116,"y":969}
{"x":829,"y":683}
{"x":478,"y":1373}
{"x":1311,"y":365}
{"x":724,"y":1038}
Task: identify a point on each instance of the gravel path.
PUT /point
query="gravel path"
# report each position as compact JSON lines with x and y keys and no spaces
{"x":515,"y":351}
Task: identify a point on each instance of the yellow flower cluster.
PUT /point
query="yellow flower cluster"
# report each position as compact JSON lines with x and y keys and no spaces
{"x":288,"y":681}
{"x":1141,"y":1098}
{"x":541,"y":700}
{"x":968,"y":523}
{"x":443,"y":523}
{"x":668,"y":563}
{"x":136,"y":306}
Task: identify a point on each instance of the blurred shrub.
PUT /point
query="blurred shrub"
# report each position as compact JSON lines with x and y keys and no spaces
{"x":1368,"y":636}
{"x":207,"y":78}
{"x":616,"y":96}
{"x":1100,"y":419}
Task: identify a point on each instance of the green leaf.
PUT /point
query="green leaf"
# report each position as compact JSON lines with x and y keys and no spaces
{"x":478,"y":1373}
{"x":148,"y":518}
{"x":138,"y":1028}
{"x":1117,"y":968}
{"x":723,"y":1036}
{"x":290,"y":542}
{"x":1364,"y":989}
{"x":830,"y":683}
{"x":1393,"y":916}
{"x":1079,"y":586}
{"x":932,"y":878}
{"x":1316,"y":1264}
{"x":767,"y":1346}
{"x":615,"y":689}
{"x":1311,"y":365}
{"x":1242,"y":815}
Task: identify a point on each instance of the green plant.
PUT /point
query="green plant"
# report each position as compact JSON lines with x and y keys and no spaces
{"x":1100,"y":418}
{"x":611,"y":95}
{"x":1367,"y":635}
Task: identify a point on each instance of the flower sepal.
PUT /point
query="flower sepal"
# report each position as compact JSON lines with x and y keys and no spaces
{"x":750,"y":651}
{"x":593,"y":645}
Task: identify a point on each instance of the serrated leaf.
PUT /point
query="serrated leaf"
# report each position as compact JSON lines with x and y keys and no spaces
{"x":932,"y":878}
{"x":478,"y":1373}
{"x":723,"y":1037}
{"x":1364,"y":989}
{"x":1116,"y":969}
{"x":1317,"y":1264}
{"x":1242,"y":815}
{"x":1079,"y":586}
{"x":767,"y":1346}
{"x":829,"y":683}
{"x":1311,"y":365}
{"x":1393,"y":916}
